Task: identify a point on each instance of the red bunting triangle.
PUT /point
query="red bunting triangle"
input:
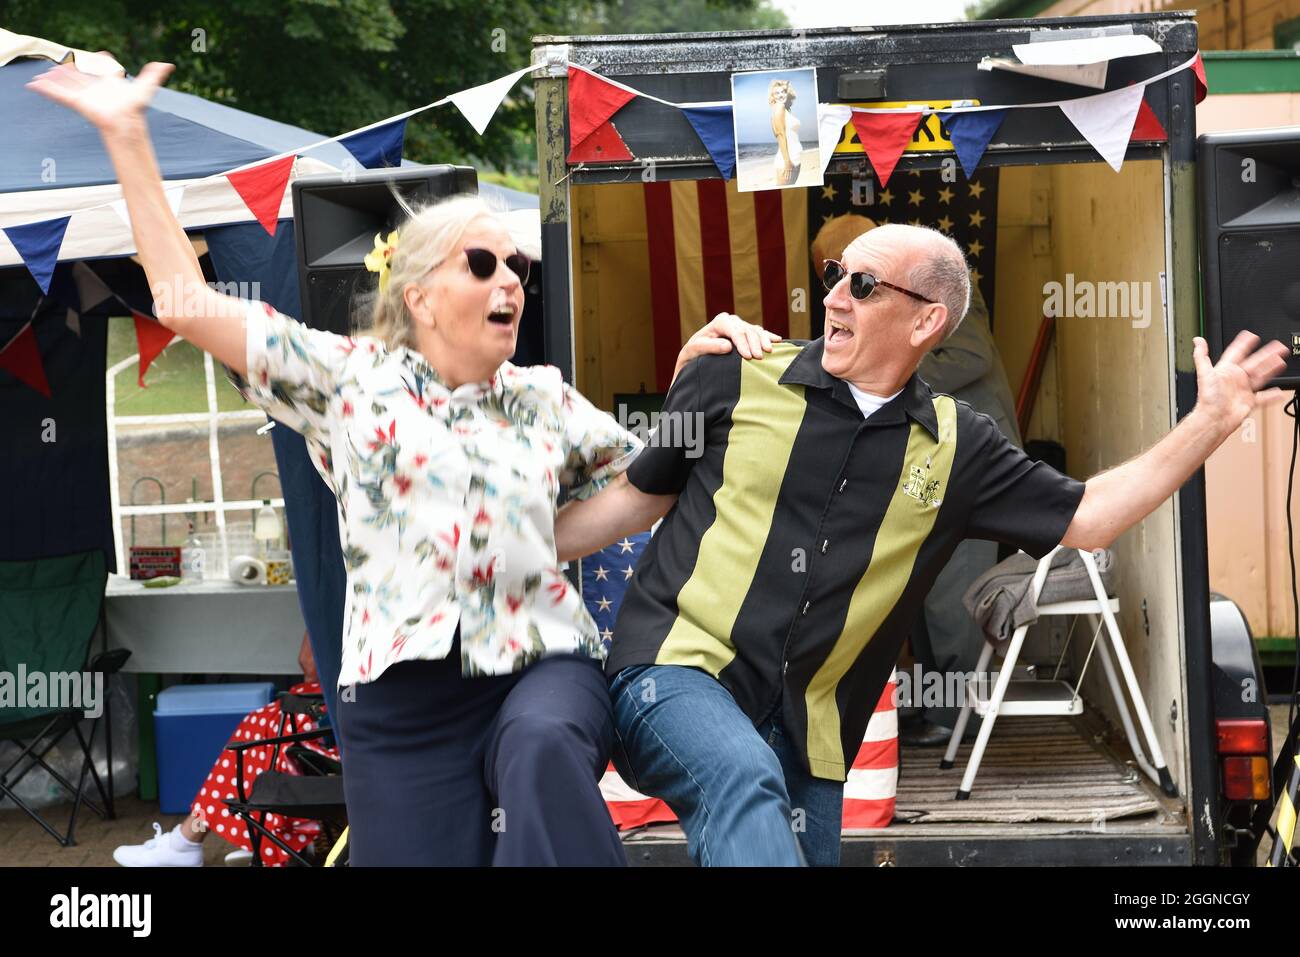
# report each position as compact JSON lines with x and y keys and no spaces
{"x":22,"y":359}
{"x":151,"y":338}
{"x":884,"y":136}
{"x":1202,"y":84}
{"x":1148,"y":126}
{"x":603,"y":145}
{"x":262,"y":189}
{"x":592,"y":101}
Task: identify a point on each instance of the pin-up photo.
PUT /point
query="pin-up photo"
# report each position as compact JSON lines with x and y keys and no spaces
{"x":775,"y":112}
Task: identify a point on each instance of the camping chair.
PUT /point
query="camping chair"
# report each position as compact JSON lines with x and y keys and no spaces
{"x":316,"y":795}
{"x":49,"y":609}
{"x":1037,"y":697}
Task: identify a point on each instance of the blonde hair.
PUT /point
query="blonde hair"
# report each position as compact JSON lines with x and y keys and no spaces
{"x":835,"y":235}
{"x":425,"y":239}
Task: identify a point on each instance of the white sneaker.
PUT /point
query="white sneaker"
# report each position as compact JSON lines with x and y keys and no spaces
{"x":239,"y":858}
{"x":161,"y":850}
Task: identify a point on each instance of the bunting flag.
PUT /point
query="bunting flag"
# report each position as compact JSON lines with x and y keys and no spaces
{"x":831,"y":118}
{"x":716,"y":128}
{"x":262,"y":189}
{"x":884,"y":136}
{"x":173,"y":195}
{"x":379,"y":147}
{"x":91,"y":290}
{"x":604,"y":145}
{"x":1202,"y":84}
{"x":715,"y":249}
{"x":21,"y":358}
{"x":38,"y":244}
{"x":1148,"y":126}
{"x":592,"y":101}
{"x":73,"y":321}
{"x":1106,"y":121}
{"x":480,"y":103}
{"x":151,"y":338}
{"x":970,"y":134}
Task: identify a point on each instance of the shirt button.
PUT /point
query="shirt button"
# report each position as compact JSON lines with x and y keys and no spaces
{"x":805,"y":607}
{"x":824,"y":544}
{"x":843,"y":483}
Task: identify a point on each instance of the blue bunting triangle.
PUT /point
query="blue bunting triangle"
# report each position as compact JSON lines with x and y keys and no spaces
{"x":378,"y":148}
{"x":971,"y":133}
{"x":714,"y":126}
{"x":38,"y":244}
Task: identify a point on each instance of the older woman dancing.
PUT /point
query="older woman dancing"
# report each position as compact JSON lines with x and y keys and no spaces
{"x":474,"y":719}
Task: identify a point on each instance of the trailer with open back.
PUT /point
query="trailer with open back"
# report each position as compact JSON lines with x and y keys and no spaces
{"x":644,"y":241}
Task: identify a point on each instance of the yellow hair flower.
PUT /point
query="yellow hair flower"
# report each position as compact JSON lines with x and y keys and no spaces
{"x":380,"y":258}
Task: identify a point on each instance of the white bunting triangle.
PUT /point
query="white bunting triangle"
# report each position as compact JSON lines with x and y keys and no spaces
{"x":480,"y":103}
{"x":831,"y":118}
{"x":73,"y":322}
{"x":173,"y":194}
{"x":1106,"y":120}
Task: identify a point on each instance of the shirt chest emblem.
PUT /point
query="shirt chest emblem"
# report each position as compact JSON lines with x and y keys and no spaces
{"x":923,"y":486}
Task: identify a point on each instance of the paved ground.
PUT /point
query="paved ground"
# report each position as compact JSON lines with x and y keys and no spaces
{"x":24,"y":844}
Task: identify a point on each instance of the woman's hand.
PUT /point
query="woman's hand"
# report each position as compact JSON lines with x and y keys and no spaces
{"x":717,"y":337}
{"x":108,"y":102}
{"x":183,"y":301}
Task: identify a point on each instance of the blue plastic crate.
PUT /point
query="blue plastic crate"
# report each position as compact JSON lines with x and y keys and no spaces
{"x":192,"y":725}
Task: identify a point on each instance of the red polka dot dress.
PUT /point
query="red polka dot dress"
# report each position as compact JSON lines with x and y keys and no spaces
{"x":210,"y":803}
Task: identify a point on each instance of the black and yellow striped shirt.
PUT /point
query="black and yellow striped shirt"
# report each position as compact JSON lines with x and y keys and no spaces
{"x":805,"y":536}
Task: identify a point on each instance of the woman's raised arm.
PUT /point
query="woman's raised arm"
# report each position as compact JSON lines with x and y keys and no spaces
{"x":183,"y":301}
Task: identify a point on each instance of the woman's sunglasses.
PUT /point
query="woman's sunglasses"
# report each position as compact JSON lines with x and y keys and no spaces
{"x":861,"y":284}
{"x":483,"y":264}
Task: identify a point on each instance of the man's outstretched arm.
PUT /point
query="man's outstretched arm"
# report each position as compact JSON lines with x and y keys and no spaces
{"x":1117,"y":499}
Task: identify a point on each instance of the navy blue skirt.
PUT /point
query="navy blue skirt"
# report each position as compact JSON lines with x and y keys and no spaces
{"x":442,"y":769}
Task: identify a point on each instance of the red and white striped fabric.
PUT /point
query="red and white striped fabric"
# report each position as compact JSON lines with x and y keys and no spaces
{"x":631,"y":808}
{"x":872,"y":785}
{"x":869,"y":792}
{"x":714,"y":249}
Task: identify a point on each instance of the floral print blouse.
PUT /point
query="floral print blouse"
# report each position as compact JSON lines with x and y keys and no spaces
{"x":446,"y":497}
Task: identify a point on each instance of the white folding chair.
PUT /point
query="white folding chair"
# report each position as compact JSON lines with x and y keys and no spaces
{"x":1055,"y":697}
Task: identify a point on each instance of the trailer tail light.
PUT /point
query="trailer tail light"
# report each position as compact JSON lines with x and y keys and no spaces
{"x":1242,"y":736}
{"x":1243,"y":745}
{"x":1246,"y":779}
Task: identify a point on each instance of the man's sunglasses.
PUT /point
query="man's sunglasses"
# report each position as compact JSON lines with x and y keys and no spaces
{"x":483,"y":264}
{"x":861,"y":284}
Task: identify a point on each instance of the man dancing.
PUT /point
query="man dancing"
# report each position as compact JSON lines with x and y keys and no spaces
{"x":768,"y":611}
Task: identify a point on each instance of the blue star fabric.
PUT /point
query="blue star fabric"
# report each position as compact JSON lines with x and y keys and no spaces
{"x":605,"y":577}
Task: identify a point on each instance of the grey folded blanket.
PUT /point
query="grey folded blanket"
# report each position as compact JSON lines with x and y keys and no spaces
{"x":1000,"y":599}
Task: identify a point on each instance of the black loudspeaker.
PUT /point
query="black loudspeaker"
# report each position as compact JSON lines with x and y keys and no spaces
{"x":1249,"y":185}
{"x":335,"y":219}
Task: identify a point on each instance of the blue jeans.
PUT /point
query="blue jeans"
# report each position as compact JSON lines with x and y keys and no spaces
{"x":740,"y":792}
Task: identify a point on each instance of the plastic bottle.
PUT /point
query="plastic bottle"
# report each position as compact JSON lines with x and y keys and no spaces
{"x":192,"y":557}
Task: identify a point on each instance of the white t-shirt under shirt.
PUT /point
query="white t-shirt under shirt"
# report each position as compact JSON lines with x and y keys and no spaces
{"x":867,"y":402}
